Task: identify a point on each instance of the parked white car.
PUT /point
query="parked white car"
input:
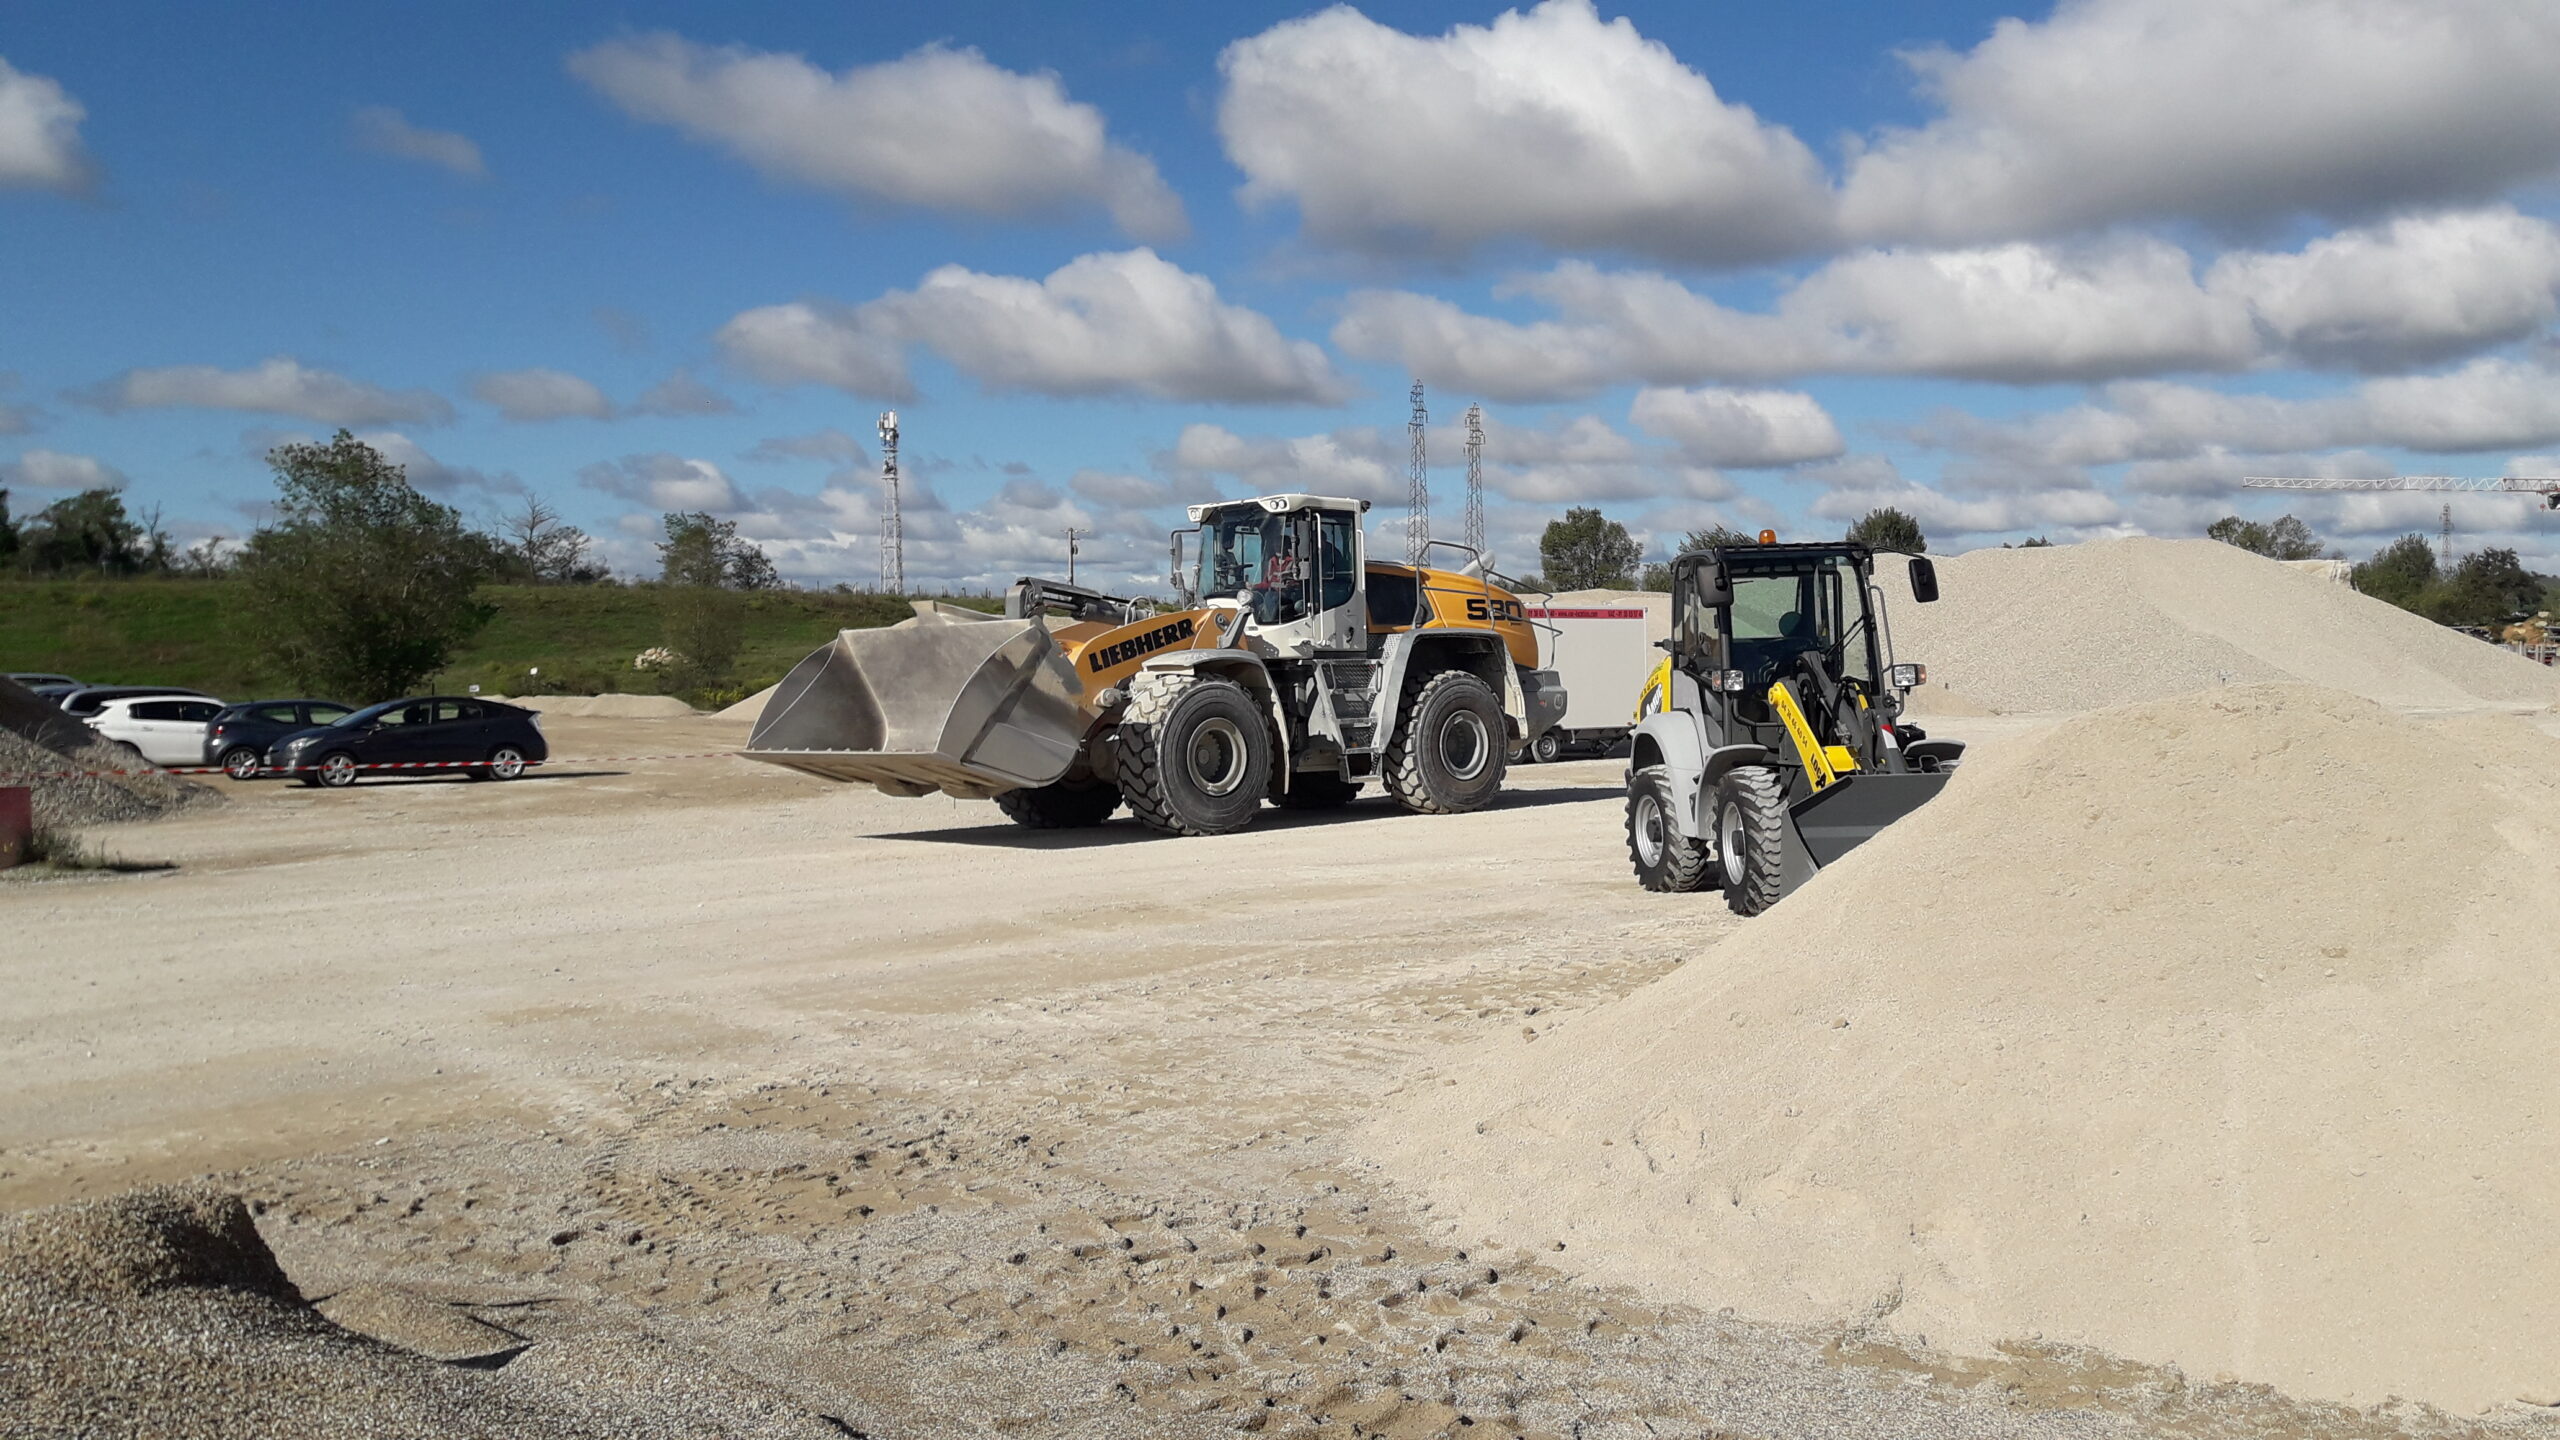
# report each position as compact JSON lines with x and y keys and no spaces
{"x":166,"y":729}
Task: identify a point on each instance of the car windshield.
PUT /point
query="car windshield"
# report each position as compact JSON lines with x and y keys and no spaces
{"x":367,"y":716}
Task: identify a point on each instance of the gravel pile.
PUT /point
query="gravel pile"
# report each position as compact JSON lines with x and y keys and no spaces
{"x":36,"y":739}
{"x":162,"y":1313}
{"x":2215,"y":1031}
{"x":2081,"y":627}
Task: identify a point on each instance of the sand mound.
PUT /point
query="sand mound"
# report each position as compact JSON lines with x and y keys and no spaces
{"x":605,"y":707}
{"x":161,"y":1312}
{"x":2078,"y":627}
{"x":36,"y":739}
{"x":751,"y":707}
{"x":2216,"y":1032}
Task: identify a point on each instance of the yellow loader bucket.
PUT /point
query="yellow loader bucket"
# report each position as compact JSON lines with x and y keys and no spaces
{"x":968,"y":706}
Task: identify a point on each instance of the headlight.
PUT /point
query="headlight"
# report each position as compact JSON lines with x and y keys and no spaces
{"x":1731,"y":682}
{"x":1903,"y":677}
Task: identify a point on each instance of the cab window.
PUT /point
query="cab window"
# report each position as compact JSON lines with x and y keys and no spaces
{"x":1337,"y":558}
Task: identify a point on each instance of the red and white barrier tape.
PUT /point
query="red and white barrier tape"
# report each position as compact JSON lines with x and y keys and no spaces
{"x":12,"y":777}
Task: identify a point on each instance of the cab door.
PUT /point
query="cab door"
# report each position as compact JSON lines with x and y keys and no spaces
{"x":1338,"y":582}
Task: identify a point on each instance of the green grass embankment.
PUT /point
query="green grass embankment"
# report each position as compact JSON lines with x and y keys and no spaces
{"x":583,"y":637}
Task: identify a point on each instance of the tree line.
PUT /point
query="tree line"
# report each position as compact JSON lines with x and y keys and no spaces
{"x":1587,"y":550}
{"x":361,"y":587}
{"x":2481,"y":590}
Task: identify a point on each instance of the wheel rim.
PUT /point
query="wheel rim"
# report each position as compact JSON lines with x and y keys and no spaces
{"x":1548,"y":748}
{"x":338,"y":769}
{"x":1464,"y":745}
{"x":1729,"y":840}
{"x":1648,"y":830}
{"x":242,"y":765}
{"x":1215,"y":757}
{"x":506,"y":764}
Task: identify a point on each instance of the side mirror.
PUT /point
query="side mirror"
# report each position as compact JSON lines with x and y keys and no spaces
{"x":1713,"y":586}
{"x":1924,"y":579}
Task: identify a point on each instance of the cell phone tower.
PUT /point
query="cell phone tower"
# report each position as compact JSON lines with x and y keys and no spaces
{"x":1475,"y":478}
{"x":1417,"y":528}
{"x":893,"y":531}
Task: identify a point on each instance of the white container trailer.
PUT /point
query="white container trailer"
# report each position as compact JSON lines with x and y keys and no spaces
{"x":1604,"y":654}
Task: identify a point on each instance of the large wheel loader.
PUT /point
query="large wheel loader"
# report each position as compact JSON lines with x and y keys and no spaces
{"x":1296,"y":670}
{"x":1773,"y":742}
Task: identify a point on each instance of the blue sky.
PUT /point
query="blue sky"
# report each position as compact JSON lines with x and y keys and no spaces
{"x":2063,"y":271}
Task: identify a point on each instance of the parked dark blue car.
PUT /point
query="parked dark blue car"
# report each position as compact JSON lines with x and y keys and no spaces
{"x":240,"y":736}
{"x":480,"y":739}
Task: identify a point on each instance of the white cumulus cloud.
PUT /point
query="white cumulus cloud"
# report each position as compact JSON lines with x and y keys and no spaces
{"x":280,"y":386}
{"x":2413,"y":290}
{"x":539,"y":394}
{"x":939,"y":129}
{"x":1124,"y":323}
{"x":681,"y":394}
{"x":665,"y":482}
{"x":2220,"y":110}
{"x":1553,"y":124}
{"x":40,"y":133}
{"x":54,"y":470}
{"x":1740,"y":428}
{"x":385,"y":131}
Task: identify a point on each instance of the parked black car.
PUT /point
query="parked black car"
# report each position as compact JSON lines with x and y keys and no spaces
{"x":86,"y":701}
{"x":240,"y":736}
{"x":481,"y":739}
{"x":42,"y":680}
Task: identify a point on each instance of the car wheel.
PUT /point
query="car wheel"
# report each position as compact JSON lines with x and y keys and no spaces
{"x":241,"y":762}
{"x":337,"y":770}
{"x":505,"y":763}
{"x":1548,"y":749}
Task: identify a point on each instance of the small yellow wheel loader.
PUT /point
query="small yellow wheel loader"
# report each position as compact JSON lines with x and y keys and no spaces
{"x":1294,"y":670}
{"x":1775,"y":743}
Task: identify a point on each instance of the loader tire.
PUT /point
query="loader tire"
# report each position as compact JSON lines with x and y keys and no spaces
{"x":1065,"y":805}
{"x":1666,"y":861}
{"x":1751,"y":821}
{"x":1317,"y":792}
{"x":1451,"y":745}
{"x":1194,"y":754}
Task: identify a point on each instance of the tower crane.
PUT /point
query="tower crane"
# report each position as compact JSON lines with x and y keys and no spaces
{"x":2547,"y":488}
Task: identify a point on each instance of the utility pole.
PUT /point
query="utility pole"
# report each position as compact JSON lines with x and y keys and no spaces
{"x":1475,"y":478}
{"x":893,"y":533}
{"x":2444,"y":545}
{"x":1072,"y":533}
{"x":1417,"y":530}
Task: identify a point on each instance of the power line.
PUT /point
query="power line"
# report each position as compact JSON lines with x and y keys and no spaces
{"x":893,"y":531}
{"x":1417,"y":530}
{"x":1475,"y":478}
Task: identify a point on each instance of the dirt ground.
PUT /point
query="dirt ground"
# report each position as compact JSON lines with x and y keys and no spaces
{"x":945,"y":1127}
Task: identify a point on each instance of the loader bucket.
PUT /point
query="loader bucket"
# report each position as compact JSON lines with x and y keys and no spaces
{"x":969,"y":705}
{"x":1848,"y":812}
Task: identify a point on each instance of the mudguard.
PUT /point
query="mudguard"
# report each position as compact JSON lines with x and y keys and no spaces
{"x":1676,"y":741}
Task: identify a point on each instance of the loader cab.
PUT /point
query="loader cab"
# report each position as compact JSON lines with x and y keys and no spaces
{"x":1295,"y":561}
{"x":1744,"y":617}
